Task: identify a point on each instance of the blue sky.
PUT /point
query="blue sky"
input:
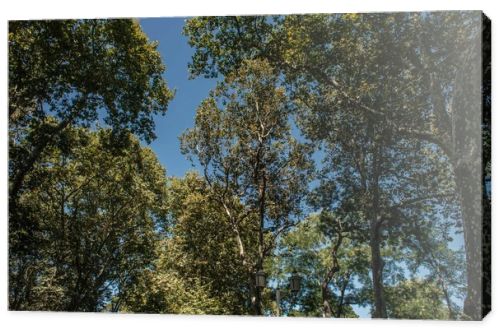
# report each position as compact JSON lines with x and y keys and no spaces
{"x":176,"y":54}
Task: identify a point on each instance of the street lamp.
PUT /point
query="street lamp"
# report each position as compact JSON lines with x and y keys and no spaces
{"x":295,"y":282}
{"x":294,"y":288}
{"x":260,"y":279}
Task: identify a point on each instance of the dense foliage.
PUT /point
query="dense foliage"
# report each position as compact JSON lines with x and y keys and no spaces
{"x":92,"y":218}
{"x":338,"y":150}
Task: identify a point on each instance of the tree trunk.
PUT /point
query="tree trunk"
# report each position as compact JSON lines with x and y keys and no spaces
{"x":342,"y":295}
{"x":451,"y":313}
{"x":327,"y":309}
{"x":377,"y":265}
{"x":257,"y":296}
{"x":466,"y":139}
{"x":470,"y":204}
{"x":262,"y":215}
{"x":377,"y":269}
{"x":325,"y":291}
{"x":254,"y":294}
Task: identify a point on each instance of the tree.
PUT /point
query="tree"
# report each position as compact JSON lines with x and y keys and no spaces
{"x":93,"y":216}
{"x":222,"y":44}
{"x":63,"y":74}
{"x":431,"y":60}
{"x":445,"y":266}
{"x":398,"y":191}
{"x":204,"y":245}
{"x":438,"y":106}
{"x":79,"y":72}
{"x":253,"y":165}
{"x":415,"y":300}
{"x":331,"y":259}
{"x":162,"y":289}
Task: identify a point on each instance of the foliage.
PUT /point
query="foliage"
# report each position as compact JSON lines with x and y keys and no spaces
{"x":204,"y":243}
{"x":338,"y":146}
{"x":254,"y":166}
{"x":223,"y":44}
{"x":307,"y":249}
{"x":75,"y":68}
{"x":343,"y":71}
{"x":92,"y":217}
{"x":415,"y":300}
{"x":162,"y":289}
{"x":78,"y":72}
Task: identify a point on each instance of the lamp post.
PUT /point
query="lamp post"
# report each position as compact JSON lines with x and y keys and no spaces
{"x":260,"y":283}
{"x":294,"y":288}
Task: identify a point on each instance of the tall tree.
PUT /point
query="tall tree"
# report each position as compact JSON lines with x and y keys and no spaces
{"x":161,"y":288}
{"x":66,"y":73}
{"x":430,"y":60}
{"x":78,"y":72}
{"x":254,"y":166}
{"x":430,"y":73}
{"x":331,"y":258}
{"x":95,"y":215}
{"x":204,"y":244}
{"x":416,"y":299}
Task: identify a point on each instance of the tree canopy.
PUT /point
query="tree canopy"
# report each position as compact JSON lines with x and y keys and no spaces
{"x":92,"y":219}
{"x":339,"y":152}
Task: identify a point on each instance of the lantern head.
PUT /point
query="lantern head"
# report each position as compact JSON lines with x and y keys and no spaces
{"x":295,"y":282}
{"x":260,"y":279}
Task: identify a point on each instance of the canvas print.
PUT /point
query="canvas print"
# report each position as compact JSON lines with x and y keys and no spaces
{"x":316,"y":165}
